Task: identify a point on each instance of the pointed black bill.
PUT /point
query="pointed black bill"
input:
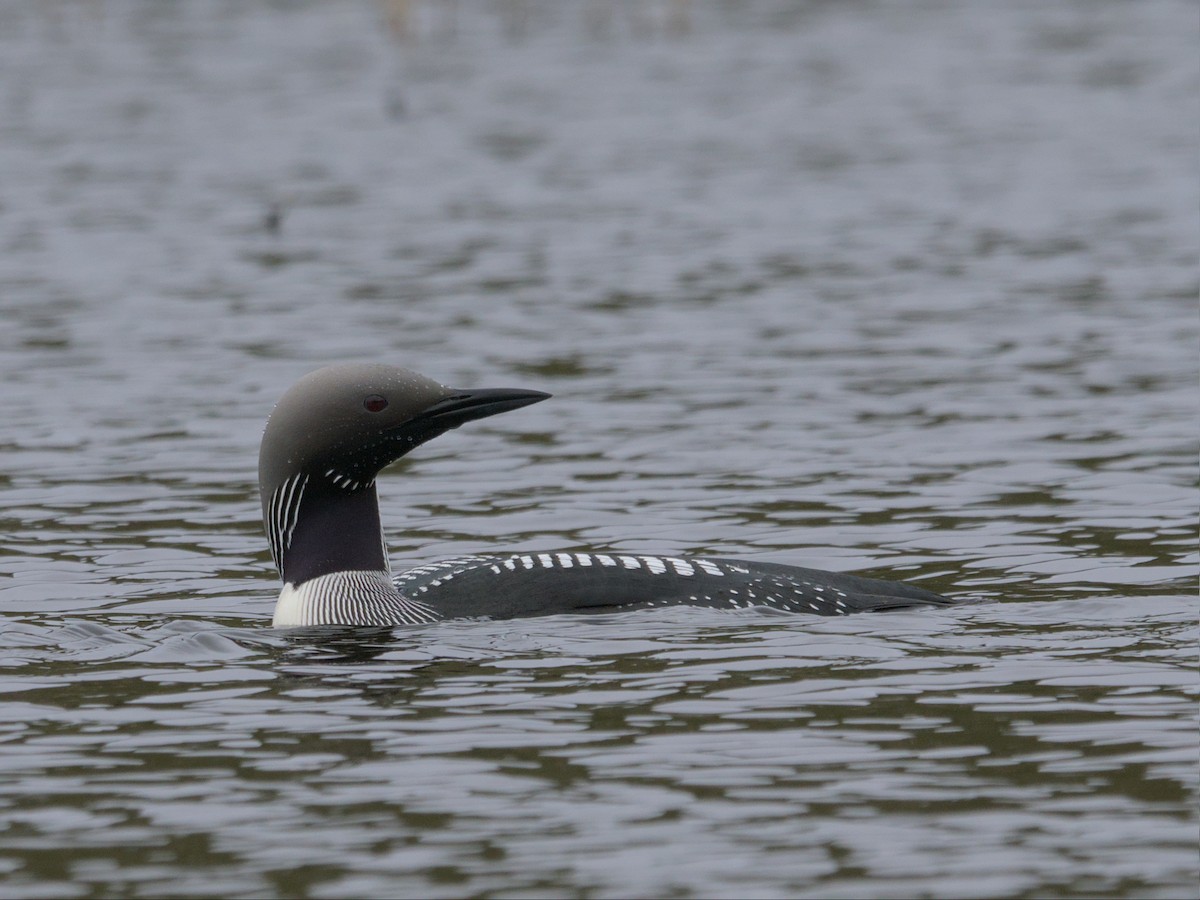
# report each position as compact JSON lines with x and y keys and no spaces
{"x":466,"y":406}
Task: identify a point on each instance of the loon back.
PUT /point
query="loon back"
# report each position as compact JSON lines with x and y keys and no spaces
{"x":337,"y":428}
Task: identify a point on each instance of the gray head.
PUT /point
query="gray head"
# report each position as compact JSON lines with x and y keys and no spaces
{"x":335,"y":429}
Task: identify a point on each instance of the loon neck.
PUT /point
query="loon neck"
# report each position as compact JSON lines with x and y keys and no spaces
{"x":334,"y":530}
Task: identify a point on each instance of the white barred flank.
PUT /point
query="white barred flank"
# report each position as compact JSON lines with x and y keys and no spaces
{"x":348,"y":598}
{"x":446,"y":569}
{"x":655,"y":565}
{"x":282,"y":513}
{"x":715,"y":583}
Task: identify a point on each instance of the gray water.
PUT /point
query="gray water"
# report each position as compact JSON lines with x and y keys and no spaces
{"x":902,"y":289}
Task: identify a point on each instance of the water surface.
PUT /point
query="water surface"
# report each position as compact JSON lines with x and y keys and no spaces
{"x":906,"y":291}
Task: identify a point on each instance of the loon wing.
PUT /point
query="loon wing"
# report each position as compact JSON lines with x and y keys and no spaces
{"x":526,"y":584}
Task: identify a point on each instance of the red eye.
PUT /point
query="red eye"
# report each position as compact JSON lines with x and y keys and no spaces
{"x":375,"y":403}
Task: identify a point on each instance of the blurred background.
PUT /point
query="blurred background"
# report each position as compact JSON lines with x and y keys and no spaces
{"x":905,"y":289}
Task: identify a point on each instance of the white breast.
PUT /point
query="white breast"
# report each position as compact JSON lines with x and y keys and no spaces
{"x":348,"y":598}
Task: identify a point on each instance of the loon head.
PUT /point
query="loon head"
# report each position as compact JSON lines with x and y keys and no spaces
{"x":327,"y":439}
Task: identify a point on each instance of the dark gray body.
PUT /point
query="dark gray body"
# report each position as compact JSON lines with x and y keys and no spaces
{"x":529,"y":584}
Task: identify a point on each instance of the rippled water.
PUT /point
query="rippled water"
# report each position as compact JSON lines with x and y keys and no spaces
{"x":902,"y":289}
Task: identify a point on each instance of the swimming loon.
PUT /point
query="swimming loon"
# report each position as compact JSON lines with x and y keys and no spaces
{"x":338,"y":427}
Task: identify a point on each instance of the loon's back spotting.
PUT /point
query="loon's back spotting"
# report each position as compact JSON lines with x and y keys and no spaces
{"x":338,"y":427}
